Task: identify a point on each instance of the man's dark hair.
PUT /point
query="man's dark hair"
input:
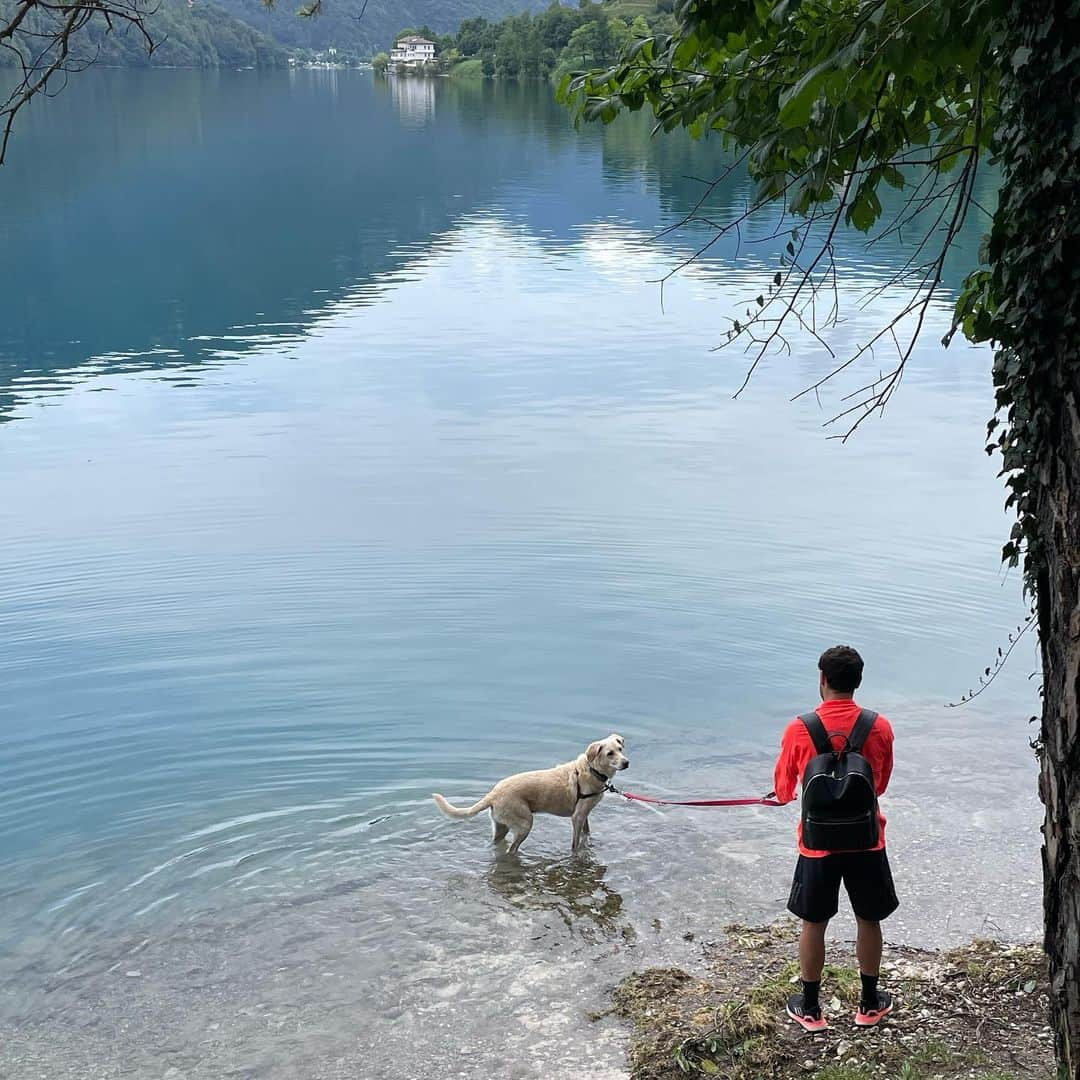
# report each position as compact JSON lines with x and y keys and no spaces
{"x":842,"y":667}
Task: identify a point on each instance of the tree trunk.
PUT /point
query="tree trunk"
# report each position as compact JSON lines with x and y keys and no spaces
{"x":1057,"y":493}
{"x":1034,"y":253}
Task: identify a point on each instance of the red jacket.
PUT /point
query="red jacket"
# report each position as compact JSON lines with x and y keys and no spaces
{"x":797,"y":748}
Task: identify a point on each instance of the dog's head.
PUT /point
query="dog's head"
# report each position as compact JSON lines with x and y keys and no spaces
{"x":606,"y":756}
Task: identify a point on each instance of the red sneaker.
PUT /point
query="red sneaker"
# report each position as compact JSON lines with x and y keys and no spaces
{"x":808,"y":1019}
{"x":870,"y":1016}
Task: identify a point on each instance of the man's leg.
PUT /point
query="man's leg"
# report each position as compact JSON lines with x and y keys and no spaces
{"x":868,"y":946}
{"x":869,"y":884}
{"x":812,"y":950}
{"x":814,"y":895}
{"x":874,"y":1004}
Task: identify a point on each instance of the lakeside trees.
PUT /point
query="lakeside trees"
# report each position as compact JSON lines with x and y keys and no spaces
{"x":557,"y":39}
{"x":826,"y":101}
{"x":43,"y":40}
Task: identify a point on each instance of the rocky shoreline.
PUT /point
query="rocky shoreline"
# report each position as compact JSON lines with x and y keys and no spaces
{"x":979,"y":1011}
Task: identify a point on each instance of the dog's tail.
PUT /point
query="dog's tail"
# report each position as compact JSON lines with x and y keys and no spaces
{"x":457,"y":812}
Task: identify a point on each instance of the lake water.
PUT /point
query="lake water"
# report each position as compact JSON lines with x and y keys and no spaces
{"x":347,"y":454}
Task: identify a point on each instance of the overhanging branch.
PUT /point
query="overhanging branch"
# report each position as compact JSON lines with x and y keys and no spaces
{"x":42,"y":39}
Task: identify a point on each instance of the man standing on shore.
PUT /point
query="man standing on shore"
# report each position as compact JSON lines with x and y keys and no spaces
{"x":852,"y":851}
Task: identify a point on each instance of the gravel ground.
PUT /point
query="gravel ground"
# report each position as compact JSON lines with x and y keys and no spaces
{"x":978,"y":1011}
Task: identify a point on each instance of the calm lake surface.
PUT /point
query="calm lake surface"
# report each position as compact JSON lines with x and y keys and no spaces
{"x":347,"y":454}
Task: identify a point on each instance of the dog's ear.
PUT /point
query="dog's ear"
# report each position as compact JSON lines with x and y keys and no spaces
{"x":618,"y":738}
{"x":592,"y":751}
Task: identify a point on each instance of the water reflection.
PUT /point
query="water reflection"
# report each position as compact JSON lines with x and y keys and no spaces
{"x":573,"y":888}
{"x":212,"y":213}
{"x":415,"y":100}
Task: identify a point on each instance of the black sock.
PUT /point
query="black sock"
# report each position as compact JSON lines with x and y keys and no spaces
{"x":869,"y":990}
{"x":810,"y":992}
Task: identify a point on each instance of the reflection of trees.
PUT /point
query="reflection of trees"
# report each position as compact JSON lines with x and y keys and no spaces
{"x":674,"y":165}
{"x":524,"y":108}
{"x":224,"y":199}
{"x":681,"y":171}
{"x":217,"y":200}
{"x":574,"y":889}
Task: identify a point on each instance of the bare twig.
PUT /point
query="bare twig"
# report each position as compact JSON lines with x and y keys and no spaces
{"x":985,"y":681}
{"x":43,"y":38}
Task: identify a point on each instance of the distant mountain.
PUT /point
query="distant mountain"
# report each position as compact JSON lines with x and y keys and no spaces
{"x":339,"y":23}
{"x":246,"y":33}
{"x":196,"y":34}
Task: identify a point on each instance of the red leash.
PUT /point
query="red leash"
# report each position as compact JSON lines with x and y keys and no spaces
{"x":765,"y":801}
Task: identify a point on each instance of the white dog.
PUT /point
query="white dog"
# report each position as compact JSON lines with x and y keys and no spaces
{"x":569,"y":790}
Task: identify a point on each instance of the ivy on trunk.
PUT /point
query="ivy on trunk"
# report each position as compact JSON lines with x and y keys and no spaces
{"x":1028,"y":303}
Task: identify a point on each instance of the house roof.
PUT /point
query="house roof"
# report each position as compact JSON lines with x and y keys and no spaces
{"x":414,"y":41}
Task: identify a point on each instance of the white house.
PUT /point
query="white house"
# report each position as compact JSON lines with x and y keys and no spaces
{"x":413,"y":50}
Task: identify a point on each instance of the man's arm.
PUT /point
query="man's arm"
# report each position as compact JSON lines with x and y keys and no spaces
{"x":786,"y":774}
{"x":884,"y":766}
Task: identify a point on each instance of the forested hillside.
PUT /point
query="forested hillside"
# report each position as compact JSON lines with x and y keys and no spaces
{"x":199,"y":34}
{"x":557,"y":40}
{"x":340,"y":25}
{"x":246,"y":33}
{"x":243,"y":33}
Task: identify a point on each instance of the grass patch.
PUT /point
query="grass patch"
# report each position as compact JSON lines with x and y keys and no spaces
{"x":977,"y":1013}
{"x":468,"y":69}
{"x":628,"y":9}
{"x":1012,"y":969}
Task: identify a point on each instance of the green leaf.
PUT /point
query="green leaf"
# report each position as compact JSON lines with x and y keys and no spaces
{"x":865,"y":208}
{"x":892,"y":176}
{"x":796,"y":102}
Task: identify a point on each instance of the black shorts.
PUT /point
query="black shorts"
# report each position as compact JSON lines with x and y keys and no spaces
{"x":815,"y":892}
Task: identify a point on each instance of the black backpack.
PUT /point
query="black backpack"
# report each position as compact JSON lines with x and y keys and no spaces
{"x":839,"y":795}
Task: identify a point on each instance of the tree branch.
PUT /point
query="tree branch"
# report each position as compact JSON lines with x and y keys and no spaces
{"x":41,"y":35}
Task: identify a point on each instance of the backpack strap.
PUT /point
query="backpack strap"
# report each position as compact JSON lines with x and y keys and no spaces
{"x":818,"y":735}
{"x":861,"y":731}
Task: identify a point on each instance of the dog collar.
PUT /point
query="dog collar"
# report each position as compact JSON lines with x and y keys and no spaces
{"x":605,"y":780}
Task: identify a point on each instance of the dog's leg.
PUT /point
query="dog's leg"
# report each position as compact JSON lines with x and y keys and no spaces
{"x":498,"y":831}
{"x":581,"y":828}
{"x":522,"y":828}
